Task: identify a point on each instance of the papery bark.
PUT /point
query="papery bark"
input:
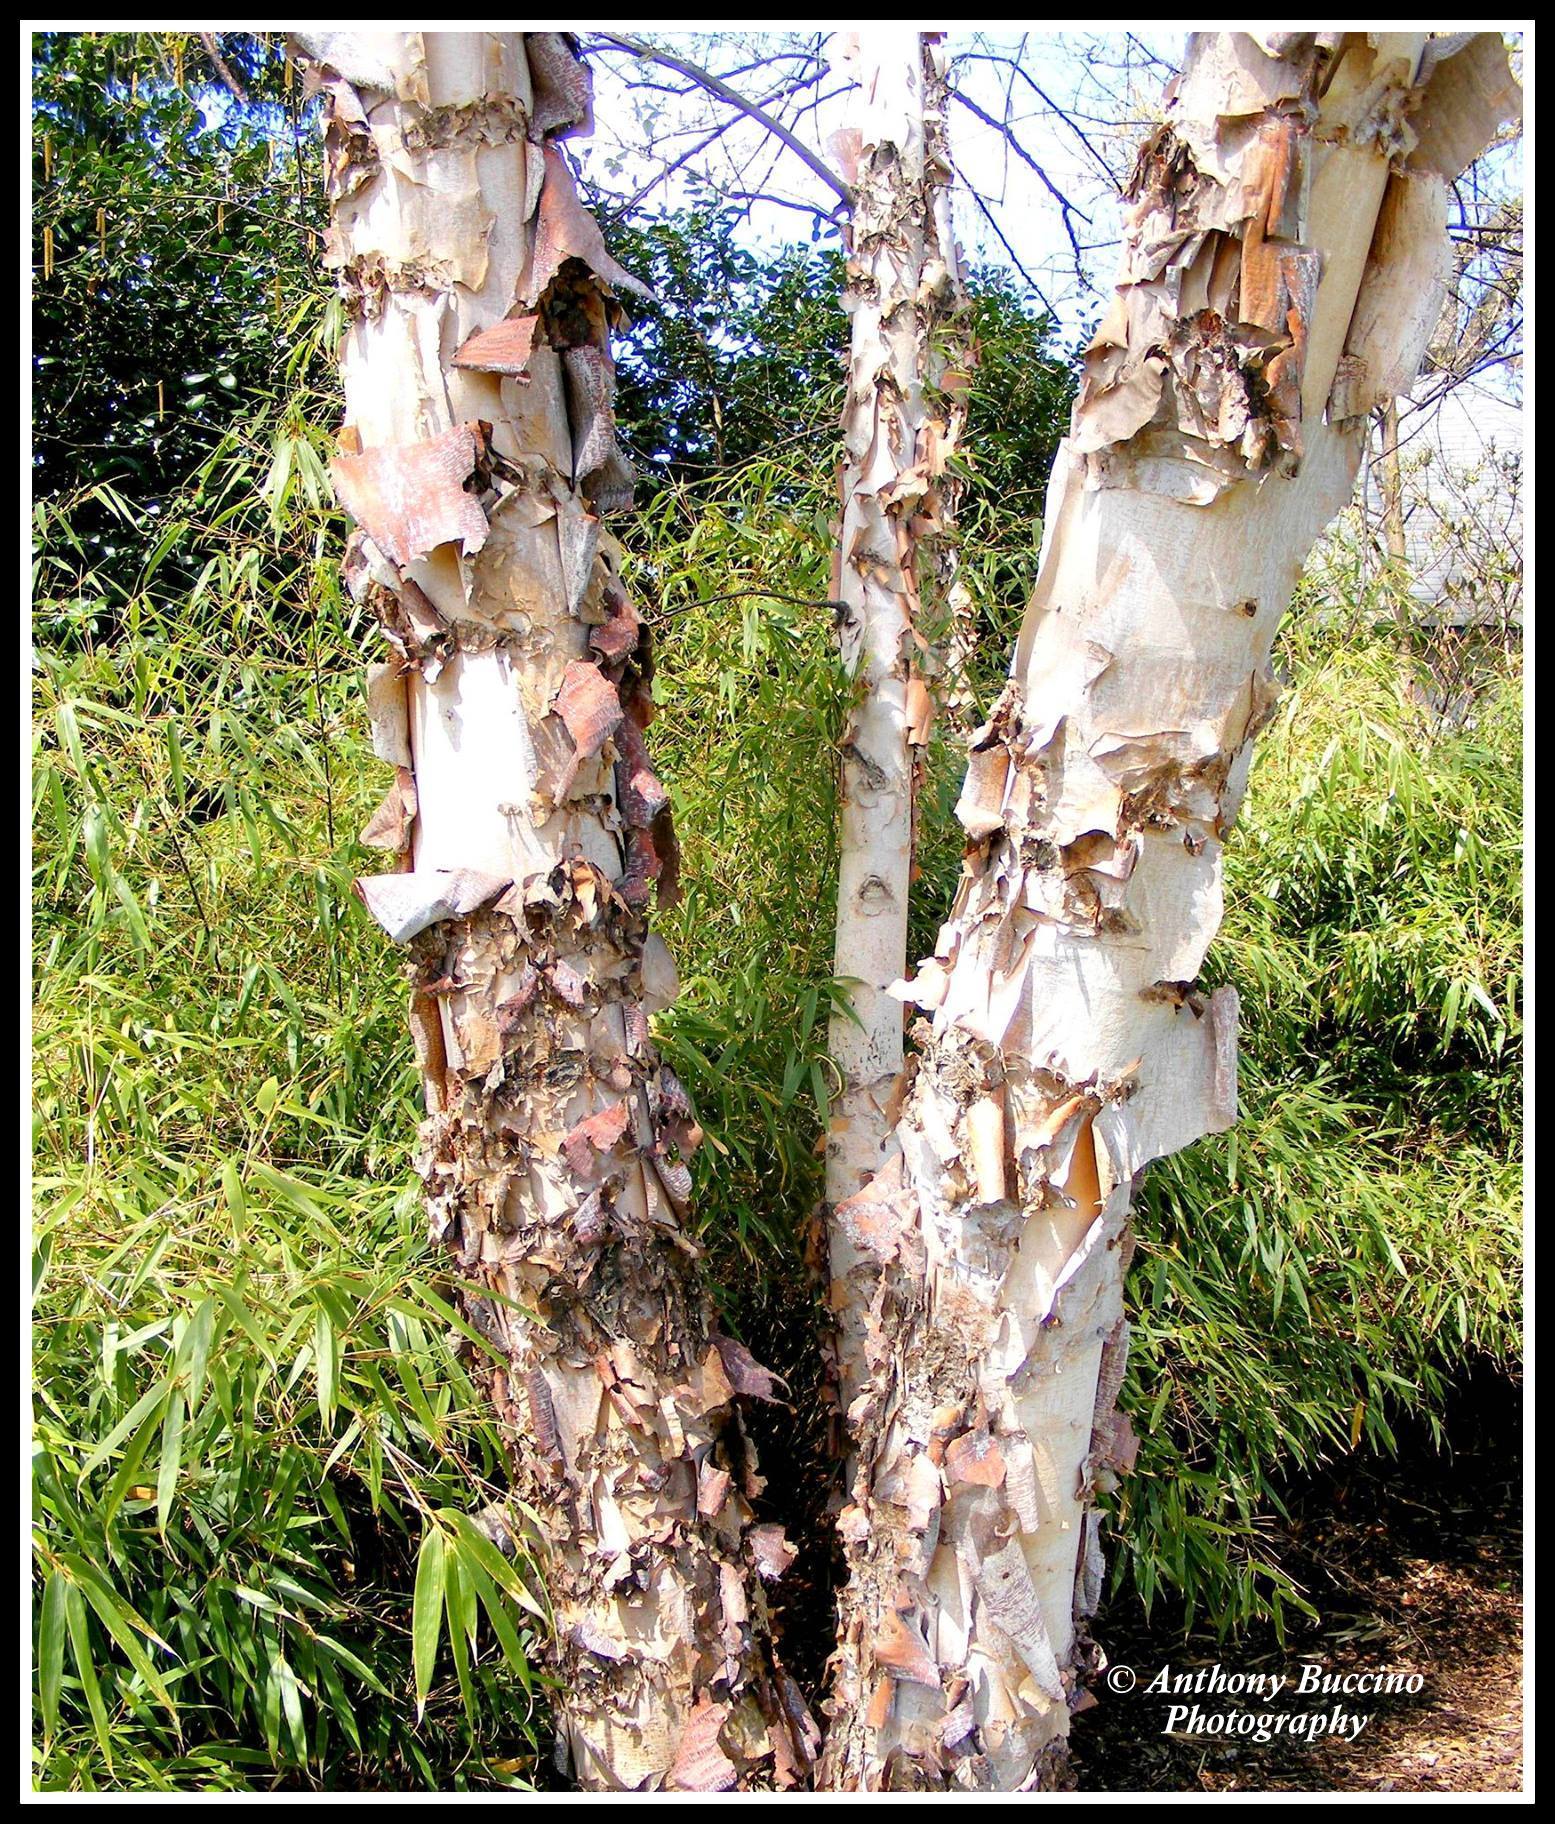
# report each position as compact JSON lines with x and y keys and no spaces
{"x":901,"y":422}
{"x":1284,"y":248}
{"x":477,"y":457}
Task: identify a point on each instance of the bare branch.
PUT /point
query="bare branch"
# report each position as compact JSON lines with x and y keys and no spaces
{"x":1070,"y":120}
{"x":222,"y":68}
{"x":671,"y":166}
{"x":1015,"y":260}
{"x":1066,"y":207}
{"x":780,"y":202}
{"x":715,"y":85}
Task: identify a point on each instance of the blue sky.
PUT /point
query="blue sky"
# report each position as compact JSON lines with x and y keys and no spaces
{"x":1106,"y":85}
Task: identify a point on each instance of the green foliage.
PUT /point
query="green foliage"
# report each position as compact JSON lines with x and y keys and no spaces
{"x":246,"y":1399}
{"x":181,"y":230}
{"x":737,"y":574}
{"x":738,"y":358}
{"x":1018,"y":410}
{"x":1378,"y":876}
{"x":253,"y":1390}
{"x":254,"y":1398}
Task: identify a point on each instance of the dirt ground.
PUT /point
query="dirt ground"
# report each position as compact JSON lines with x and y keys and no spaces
{"x":1414,"y":1567}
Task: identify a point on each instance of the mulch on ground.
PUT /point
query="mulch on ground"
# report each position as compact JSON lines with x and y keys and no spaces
{"x":1414,"y":1565}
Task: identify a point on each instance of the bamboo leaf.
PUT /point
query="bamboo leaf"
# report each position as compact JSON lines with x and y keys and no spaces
{"x":128,"y":1472}
{"x":124,"y":1627}
{"x":51,"y":1652}
{"x":148,"y":1402}
{"x":172,"y":1459}
{"x":86,"y":1669}
{"x":427,"y":1610}
{"x":324,"y":1365}
{"x":460,"y":1602}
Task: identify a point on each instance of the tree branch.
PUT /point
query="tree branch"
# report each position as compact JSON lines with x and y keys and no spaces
{"x":222,"y":68}
{"x":1015,"y":260}
{"x":1068,"y":209}
{"x":1016,"y":68}
{"x":715,"y":85}
{"x":671,"y":166}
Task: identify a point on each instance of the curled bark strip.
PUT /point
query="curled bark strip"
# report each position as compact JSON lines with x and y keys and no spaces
{"x":642,"y":794}
{"x":407,"y":904}
{"x":1400,"y":302}
{"x":902,"y":1652}
{"x":880,"y":1220}
{"x":589,"y":706}
{"x":1271,"y":241}
{"x":412,"y":499}
{"x":771,"y":1553}
{"x":564,"y":230}
{"x":390,"y":825}
{"x":554,"y":1151}
{"x":388,"y":714}
{"x":563,"y":86}
{"x":701,"y":1764}
{"x":600,"y":468}
{"x":505,"y":348}
{"x":595,"y":1136}
{"x":666,"y":847}
{"x":746,"y":1374}
{"x":1467,"y":92}
{"x":616,"y":638}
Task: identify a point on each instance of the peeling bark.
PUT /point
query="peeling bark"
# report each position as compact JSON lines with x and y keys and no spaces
{"x":1279,"y":228}
{"x":478,"y":455}
{"x":902,"y":418}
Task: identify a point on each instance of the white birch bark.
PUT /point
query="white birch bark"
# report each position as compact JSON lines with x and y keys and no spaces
{"x":477,"y":457}
{"x":1283,"y":257}
{"x":899,"y":424}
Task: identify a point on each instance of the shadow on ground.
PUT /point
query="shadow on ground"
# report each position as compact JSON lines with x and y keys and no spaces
{"x":1415,"y":1566}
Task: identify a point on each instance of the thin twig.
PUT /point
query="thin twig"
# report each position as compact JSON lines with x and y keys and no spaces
{"x":671,"y":167}
{"x":189,"y":881}
{"x":1015,"y":259}
{"x":766,"y":595}
{"x":1068,"y":209}
{"x":1016,"y":68}
{"x":715,"y":85}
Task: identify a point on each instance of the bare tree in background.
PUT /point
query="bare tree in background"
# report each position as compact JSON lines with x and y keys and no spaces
{"x":738,"y":115}
{"x":1476,"y":348}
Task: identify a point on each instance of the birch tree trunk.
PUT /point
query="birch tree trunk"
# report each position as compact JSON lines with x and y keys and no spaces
{"x":1283,"y":258}
{"x":528,"y":824}
{"x":899,"y":425}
